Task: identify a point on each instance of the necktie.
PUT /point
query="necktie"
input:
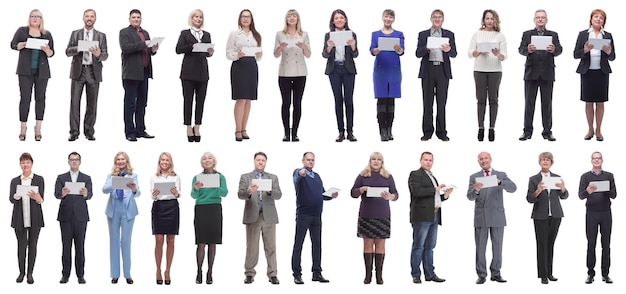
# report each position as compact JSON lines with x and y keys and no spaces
{"x":260,"y":176}
{"x":197,"y":33}
{"x":486,"y":172}
{"x":540,"y":33}
{"x":86,"y":54}
{"x":120,"y":192}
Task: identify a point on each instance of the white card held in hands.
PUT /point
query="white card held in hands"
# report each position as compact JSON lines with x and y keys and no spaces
{"x":599,"y":43}
{"x":209,"y":180}
{"x":74,"y":187}
{"x":550,"y":182}
{"x":22,"y":190}
{"x":156,"y":41}
{"x":250,"y":51}
{"x":36,"y":43}
{"x":264,"y":184}
{"x":486,"y":46}
{"x":387,"y":44}
{"x":164,"y":188}
{"x":330,"y":192}
{"x":86,"y":45}
{"x":118,"y":182}
{"x":202,"y":47}
{"x":340,"y":38}
{"x":376,"y":191}
{"x":436,"y":42}
{"x":601,"y":186}
{"x":541,"y":42}
{"x":488,"y":181}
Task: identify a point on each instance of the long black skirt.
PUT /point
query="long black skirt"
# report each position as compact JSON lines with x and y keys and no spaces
{"x":208,"y":223}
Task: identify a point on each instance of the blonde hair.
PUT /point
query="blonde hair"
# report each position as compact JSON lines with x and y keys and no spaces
{"x":207,"y":155}
{"x":170,"y":172}
{"x":367,"y":171}
{"x":38,"y":13}
{"x":129,"y":168}
{"x":194,"y":13}
{"x":298,"y":25}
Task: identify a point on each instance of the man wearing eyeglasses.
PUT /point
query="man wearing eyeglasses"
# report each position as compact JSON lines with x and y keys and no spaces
{"x":540,"y":46}
{"x":598,"y":188}
{"x":74,"y":189}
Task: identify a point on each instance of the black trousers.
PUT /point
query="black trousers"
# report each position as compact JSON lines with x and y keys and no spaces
{"x":291,"y":89}
{"x":435,"y":86}
{"x":545,"y":233}
{"x":604,"y":221}
{"x":87,"y":81}
{"x":189,"y":89}
{"x":27,"y":83}
{"x":27,"y":238}
{"x":530,"y":94}
{"x":74,"y":231}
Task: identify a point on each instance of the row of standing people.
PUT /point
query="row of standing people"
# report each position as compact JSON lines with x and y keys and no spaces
{"x":374,"y":185}
{"x":292,"y":45}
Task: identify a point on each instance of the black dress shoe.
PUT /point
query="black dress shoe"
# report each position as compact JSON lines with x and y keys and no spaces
{"x":286,"y":138}
{"x":436,"y":279}
{"x":340,"y":138}
{"x":131,"y":138}
{"x":589,"y":279}
{"x":146,"y":136}
{"x":298,"y":280}
{"x":130,"y":281}
{"x":248,"y":280}
{"x":425,"y":138}
{"x":319,"y":278}
{"x":444,"y":138}
{"x":90,"y":137}
{"x":525,"y":137}
{"x":481,"y":134}
{"x":114,"y":281}
{"x":498,"y":279}
{"x":274,"y":281}
{"x":481,"y":280}
{"x":351,"y":137}
{"x":600,"y":139}
{"x":588,"y":137}
{"x":20,"y":278}
{"x":417,"y":280}
{"x":552,"y":278}
{"x":29,"y":279}
{"x":607,"y":280}
{"x":544,"y":280}
{"x":549,"y":137}
{"x":64,"y":280}
{"x":72,"y":138}
{"x":81,"y":280}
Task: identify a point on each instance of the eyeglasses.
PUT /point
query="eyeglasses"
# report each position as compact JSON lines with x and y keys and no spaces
{"x":246,"y":16}
{"x":35,"y":16}
{"x":596,"y":158}
{"x":74,"y":159}
{"x":540,"y":17}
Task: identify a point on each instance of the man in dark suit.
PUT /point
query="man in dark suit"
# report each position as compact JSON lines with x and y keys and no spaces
{"x":260,"y":216}
{"x":598,"y":204}
{"x":136,"y":69}
{"x":86,"y":72}
{"x":539,"y":74}
{"x":489,"y":219}
{"x":73,"y":216}
{"x":426,"y":197}
{"x":435,"y":72}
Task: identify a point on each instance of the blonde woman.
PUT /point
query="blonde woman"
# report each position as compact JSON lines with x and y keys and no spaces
{"x":121,"y":211}
{"x":165,"y":213}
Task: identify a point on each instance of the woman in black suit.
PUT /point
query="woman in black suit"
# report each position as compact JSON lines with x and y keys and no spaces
{"x":341,"y":71}
{"x":27,"y":218}
{"x":594,"y":70}
{"x":194,"y":72}
{"x":32,"y":70}
{"x":546,"y":215}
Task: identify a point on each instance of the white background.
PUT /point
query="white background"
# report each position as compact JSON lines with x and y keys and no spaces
{"x":337,"y":163}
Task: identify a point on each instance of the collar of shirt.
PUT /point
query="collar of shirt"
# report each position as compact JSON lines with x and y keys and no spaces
{"x":259,"y":175}
{"x":433,"y":31}
{"x":590,"y":30}
{"x":310,"y":173}
{"x":545,"y":175}
{"x":29,"y":177}
{"x":596,"y":173}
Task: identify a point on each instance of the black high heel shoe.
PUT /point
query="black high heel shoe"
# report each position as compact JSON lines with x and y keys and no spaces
{"x":481,"y":134}
{"x":238,"y":138}
{"x":196,"y":136}
{"x":244,"y":135}
{"x":492,"y":135}
{"x":159,"y":282}
{"x":199,"y":277}
{"x":191,"y":138}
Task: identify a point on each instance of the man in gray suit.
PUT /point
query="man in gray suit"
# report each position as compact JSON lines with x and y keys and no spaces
{"x":489,"y":219}
{"x":86,"y":72}
{"x":259,"y":216}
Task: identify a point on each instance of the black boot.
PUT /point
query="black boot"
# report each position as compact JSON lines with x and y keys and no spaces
{"x":286,"y":137}
{"x":294,"y":135}
{"x":389,"y":135}
{"x":383,"y":133}
{"x":390,"y":117}
{"x":378,"y":260}
{"x":369,"y":260}
{"x":481,"y":134}
{"x":492,"y":135}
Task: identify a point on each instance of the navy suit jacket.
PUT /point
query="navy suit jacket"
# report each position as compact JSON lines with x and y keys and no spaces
{"x":36,"y":214}
{"x":195,"y":66}
{"x":489,"y":202}
{"x":73,"y":204}
{"x":539,"y":64}
{"x":77,"y":56}
{"x":132,"y":54}
{"x":547,"y":201}
{"x":585,"y":59}
{"x":423,"y":52}
{"x":24,"y":60}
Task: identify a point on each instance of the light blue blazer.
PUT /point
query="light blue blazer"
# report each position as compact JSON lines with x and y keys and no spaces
{"x":129,"y":198}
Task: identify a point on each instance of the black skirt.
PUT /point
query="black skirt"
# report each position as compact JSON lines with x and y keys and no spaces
{"x":374,"y":228}
{"x":165,"y":217}
{"x":244,"y":78}
{"x":208,"y":223}
{"x":594,"y":86}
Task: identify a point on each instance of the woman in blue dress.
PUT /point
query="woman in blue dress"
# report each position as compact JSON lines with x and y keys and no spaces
{"x":387,"y":45}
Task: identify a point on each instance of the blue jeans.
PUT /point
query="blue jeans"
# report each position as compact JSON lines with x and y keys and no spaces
{"x":342,"y":83}
{"x":312,"y":223}
{"x":424,"y":241}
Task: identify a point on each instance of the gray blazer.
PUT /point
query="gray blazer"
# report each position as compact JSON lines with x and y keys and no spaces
{"x":489,"y":204}
{"x":251,"y":209}
{"x":132,"y":54}
{"x":77,"y":57}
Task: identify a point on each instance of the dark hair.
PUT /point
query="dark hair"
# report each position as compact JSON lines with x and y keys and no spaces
{"x":332,"y":18}
{"x":134,"y":11}
{"x":600,"y":12}
{"x":260,"y":153}
{"x":94,"y":12}
{"x":255,"y":34}
{"x":74,"y":153}
{"x":496,"y":20}
{"x":26,"y":156}
{"x":425,"y":153}
{"x":389,"y":12}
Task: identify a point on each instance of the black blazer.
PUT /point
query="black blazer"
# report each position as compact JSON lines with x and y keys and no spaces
{"x":24,"y":59}
{"x":77,"y":56}
{"x":423,"y":52}
{"x":350,"y":55}
{"x":73,"y":204}
{"x":551,"y":197}
{"x":583,"y":66}
{"x":132,"y":54}
{"x":423,"y":197}
{"x":539,"y":64}
{"x":36,"y":214}
{"x":195,"y":66}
